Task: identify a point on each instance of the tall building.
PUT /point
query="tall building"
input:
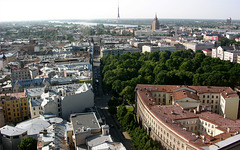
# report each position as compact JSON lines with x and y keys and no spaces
{"x":155,"y":24}
{"x":15,"y":107}
{"x":118,"y":17}
{"x":229,"y":21}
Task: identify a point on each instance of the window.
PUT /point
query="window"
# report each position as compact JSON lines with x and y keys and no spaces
{"x":212,"y":101}
{"x":203,"y":101}
{"x":203,"y":96}
{"x":212,"y":96}
{"x":216,"y":96}
{"x":208,"y":96}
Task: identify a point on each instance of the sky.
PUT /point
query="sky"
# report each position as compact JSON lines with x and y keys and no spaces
{"x":28,"y":10}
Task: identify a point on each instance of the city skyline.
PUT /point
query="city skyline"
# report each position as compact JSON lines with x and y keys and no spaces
{"x":26,"y":10}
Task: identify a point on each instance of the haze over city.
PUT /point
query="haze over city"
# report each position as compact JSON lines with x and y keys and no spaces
{"x":27,"y":10}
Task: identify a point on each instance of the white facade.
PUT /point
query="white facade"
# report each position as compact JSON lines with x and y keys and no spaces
{"x":199,"y":46}
{"x":218,"y":53}
{"x":147,"y":48}
{"x":231,"y":55}
{"x":151,"y":32}
{"x":60,"y":100}
{"x":82,"y":99}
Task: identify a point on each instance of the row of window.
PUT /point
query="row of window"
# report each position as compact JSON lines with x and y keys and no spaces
{"x":207,"y":96}
{"x":40,"y":108}
{"x":159,"y":95}
{"x":207,"y":101}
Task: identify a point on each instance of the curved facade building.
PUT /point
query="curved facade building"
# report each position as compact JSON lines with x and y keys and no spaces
{"x":176,"y":116}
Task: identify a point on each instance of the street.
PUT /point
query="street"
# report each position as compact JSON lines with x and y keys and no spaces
{"x":101,"y":101}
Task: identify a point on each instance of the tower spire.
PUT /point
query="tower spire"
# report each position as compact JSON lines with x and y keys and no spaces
{"x":118,"y":17}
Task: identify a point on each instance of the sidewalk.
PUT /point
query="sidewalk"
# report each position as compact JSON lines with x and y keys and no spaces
{"x":127,"y":142}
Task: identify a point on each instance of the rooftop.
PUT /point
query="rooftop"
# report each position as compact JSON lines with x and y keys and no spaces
{"x":83,"y":121}
{"x":37,"y":102}
{"x":11,"y":131}
{"x":98,"y":139}
{"x":172,"y":114}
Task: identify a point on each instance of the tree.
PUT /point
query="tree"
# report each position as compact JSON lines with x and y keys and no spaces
{"x":28,"y":143}
{"x":121,"y":111}
{"x":128,"y":93}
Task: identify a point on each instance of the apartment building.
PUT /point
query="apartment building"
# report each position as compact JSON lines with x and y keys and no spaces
{"x":15,"y":107}
{"x":20,"y":74}
{"x":61,"y":100}
{"x":150,"y":49}
{"x":180,"y":117}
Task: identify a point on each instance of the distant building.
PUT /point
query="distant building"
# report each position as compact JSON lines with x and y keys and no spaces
{"x":155,"y":23}
{"x":138,"y":44}
{"x":20,"y":85}
{"x":20,"y":74}
{"x":179,"y":46}
{"x":231,"y":55}
{"x":207,"y":52}
{"x":118,"y":50}
{"x":229,"y":21}
{"x":199,"y":46}
{"x":232,"y":35}
{"x":219,"y":51}
{"x":151,"y":33}
{"x":150,"y":49}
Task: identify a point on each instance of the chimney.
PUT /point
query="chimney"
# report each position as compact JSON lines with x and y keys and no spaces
{"x":228,"y":130}
{"x":45,"y":132}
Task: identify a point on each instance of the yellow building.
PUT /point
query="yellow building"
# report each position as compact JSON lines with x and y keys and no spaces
{"x":180,"y":117}
{"x":15,"y":107}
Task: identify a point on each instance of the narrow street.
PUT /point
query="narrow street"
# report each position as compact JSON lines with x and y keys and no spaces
{"x":101,"y":101}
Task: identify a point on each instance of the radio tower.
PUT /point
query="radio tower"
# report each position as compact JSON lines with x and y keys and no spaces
{"x":118,"y":17}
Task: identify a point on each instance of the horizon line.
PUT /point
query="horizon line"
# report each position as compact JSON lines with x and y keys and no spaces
{"x":42,"y":20}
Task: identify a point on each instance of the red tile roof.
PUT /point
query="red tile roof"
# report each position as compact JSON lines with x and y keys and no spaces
{"x":171,"y":114}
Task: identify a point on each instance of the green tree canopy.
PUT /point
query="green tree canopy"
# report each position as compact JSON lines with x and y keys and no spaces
{"x":28,"y":143}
